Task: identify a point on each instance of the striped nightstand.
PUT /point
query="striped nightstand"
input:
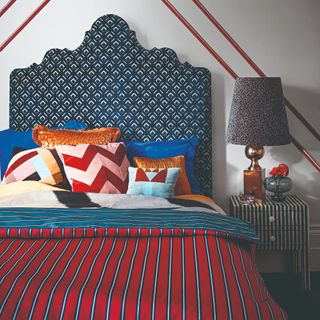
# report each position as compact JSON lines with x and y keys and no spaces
{"x":281,"y":226}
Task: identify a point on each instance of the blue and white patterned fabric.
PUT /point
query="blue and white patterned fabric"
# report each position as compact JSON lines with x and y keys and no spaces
{"x":111,"y":80}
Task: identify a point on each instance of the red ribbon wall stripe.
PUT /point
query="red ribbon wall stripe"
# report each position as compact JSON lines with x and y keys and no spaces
{"x":23,"y":25}
{"x":200,"y":39}
{"x":254,"y":66}
{"x":230,"y":71}
{"x":305,"y":153}
{"x":6,"y":7}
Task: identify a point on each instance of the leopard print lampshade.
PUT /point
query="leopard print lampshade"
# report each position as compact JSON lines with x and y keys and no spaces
{"x":258,"y":116}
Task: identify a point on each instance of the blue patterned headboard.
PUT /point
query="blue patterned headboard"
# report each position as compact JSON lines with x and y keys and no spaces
{"x":111,"y":80}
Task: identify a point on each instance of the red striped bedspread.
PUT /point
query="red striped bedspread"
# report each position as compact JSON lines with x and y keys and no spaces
{"x":132,"y":271}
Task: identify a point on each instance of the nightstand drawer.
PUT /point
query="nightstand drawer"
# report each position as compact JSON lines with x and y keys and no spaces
{"x":267,"y":219}
{"x":282,"y":239}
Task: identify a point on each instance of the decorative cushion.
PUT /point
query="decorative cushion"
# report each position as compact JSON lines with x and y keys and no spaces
{"x":36,"y":164}
{"x":74,"y":125}
{"x":10,"y":139}
{"x":49,"y":138}
{"x":158,"y":182}
{"x":182,"y":185}
{"x":167,"y":149}
{"x":96,"y":168}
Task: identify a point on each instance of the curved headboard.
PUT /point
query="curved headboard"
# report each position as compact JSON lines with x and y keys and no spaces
{"x":111,"y":80}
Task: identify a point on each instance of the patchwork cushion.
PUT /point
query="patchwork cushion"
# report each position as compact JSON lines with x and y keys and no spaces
{"x":96,"y":168}
{"x":50,"y":138}
{"x":182,"y":185}
{"x":36,"y":164}
{"x":159,"y":182}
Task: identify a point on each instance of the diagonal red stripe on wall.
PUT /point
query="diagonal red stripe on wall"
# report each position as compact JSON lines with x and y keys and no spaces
{"x":200,"y":38}
{"x":196,"y":34}
{"x":23,"y":25}
{"x":6,"y":7}
{"x":254,"y":66}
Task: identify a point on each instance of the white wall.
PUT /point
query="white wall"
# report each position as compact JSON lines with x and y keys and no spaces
{"x":281,"y":36}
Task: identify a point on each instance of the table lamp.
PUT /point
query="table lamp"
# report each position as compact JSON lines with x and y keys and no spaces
{"x":258,"y":118}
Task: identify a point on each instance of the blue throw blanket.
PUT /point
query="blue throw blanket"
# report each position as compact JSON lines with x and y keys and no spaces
{"x":124,"y":218}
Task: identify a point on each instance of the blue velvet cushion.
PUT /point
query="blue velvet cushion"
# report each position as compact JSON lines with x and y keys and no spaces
{"x":74,"y":125}
{"x":10,"y":139}
{"x":167,"y":149}
{"x":159,"y":183}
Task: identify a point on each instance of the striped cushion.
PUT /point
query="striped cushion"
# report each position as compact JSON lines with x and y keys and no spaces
{"x":38,"y":164}
{"x":96,"y":168}
{"x":159,"y":182}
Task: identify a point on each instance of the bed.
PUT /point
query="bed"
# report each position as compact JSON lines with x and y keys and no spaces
{"x":76,"y":255}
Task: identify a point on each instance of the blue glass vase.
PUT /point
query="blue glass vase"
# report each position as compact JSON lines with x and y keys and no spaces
{"x":278,"y":185}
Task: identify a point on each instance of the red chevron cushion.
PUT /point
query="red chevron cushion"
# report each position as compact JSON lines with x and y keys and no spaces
{"x":96,"y":168}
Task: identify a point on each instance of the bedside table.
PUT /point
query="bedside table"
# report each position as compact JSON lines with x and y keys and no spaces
{"x":281,"y":226}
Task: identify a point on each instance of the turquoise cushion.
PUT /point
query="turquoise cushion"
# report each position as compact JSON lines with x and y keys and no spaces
{"x":167,"y":149}
{"x":10,"y":139}
{"x":157,"y":184}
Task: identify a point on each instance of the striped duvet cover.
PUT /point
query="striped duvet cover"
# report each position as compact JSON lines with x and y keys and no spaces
{"x":131,"y":259}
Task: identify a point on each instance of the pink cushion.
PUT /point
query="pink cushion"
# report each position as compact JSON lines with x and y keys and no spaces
{"x":96,"y":168}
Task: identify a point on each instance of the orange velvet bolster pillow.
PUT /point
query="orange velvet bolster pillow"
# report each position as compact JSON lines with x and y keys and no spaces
{"x":183,"y":185}
{"x":49,"y":138}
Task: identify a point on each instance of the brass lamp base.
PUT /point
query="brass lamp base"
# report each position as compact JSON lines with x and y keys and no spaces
{"x":253,"y":177}
{"x":254,"y":154}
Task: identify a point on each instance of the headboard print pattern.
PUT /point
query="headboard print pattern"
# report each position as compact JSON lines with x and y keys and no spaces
{"x":111,"y":80}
